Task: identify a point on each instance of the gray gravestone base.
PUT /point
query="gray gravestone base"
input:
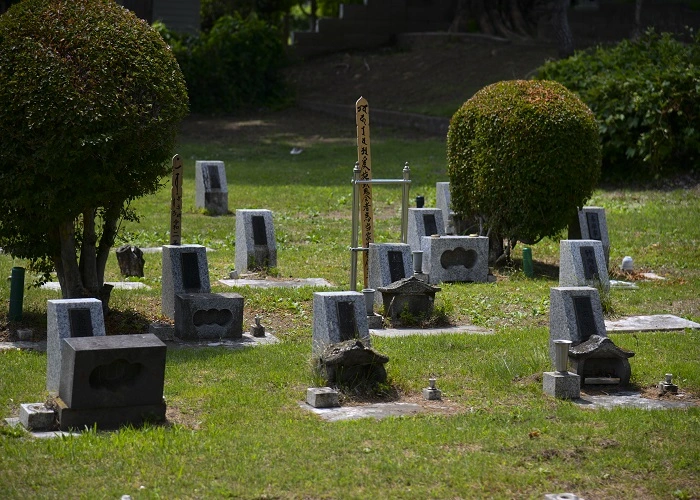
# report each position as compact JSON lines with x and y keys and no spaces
{"x":208,"y":316}
{"x":111,"y":381}
{"x":561,"y":385}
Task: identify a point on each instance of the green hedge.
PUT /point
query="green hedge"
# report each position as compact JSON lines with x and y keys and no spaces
{"x":646,"y":98}
{"x":236,"y":65}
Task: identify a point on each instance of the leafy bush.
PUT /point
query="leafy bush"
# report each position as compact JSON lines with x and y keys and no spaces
{"x":235,"y":65}
{"x":90,"y":104}
{"x":521,"y":156}
{"x":646,"y":97}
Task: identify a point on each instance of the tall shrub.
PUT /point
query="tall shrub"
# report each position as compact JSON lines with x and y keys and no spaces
{"x":521,"y":156}
{"x":90,"y":103}
{"x":646,"y":97}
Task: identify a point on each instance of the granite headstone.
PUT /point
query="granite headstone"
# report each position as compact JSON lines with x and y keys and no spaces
{"x":185,"y":270}
{"x":338,"y":316}
{"x":256,"y":248}
{"x":211,"y":189}
{"x":582,"y":263}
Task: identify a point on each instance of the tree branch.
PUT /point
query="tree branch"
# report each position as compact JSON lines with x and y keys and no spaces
{"x":71,"y":284}
{"x":109,"y":234}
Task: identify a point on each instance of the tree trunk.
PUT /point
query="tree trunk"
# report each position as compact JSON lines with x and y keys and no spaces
{"x":67,"y":265}
{"x":562,"y":31}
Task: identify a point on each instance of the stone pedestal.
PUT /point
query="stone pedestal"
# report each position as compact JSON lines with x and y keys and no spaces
{"x":456,"y":258}
{"x":322,"y":397}
{"x":561,"y":385}
{"x":208,"y":316}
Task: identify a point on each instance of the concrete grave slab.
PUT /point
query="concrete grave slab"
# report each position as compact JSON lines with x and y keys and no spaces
{"x":211,"y":188}
{"x":208,"y":316}
{"x":657,"y":322}
{"x":15,"y":421}
{"x":256,"y":247}
{"x":594,"y":226}
{"x":338,"y":316}
{"x":423,"y":222}
{"x":377,"y":411}
{"x":631,"y":399}
{"x":456,"y":258}
{"x":185,"y":270}
{"x":290,"y":283}
{"x":447,"y":330}
{"x":388,"y":262}
{"x":581,"y":263}
{"x":67,"y":318}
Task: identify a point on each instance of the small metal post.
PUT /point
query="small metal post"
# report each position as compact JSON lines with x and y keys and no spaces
{"x":404,"y":204}
{"x":355,"y":228}
{"x":16,"y":293}
{"x":527,"y":262}
{"x":561,"y":355}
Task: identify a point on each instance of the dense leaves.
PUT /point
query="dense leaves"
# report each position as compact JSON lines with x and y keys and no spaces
{"x":522,"y":155}
{"x":90,"y":101}
{"x":646,"y":97}
{"x":236,"y":65}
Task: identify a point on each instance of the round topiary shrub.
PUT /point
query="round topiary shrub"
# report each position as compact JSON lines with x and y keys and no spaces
{"x":90,"y":104}
{"x":521,"y":156}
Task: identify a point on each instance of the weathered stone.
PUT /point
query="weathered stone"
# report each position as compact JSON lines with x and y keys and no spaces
{"x":575,"y":313}
{"x":443,"y":200}
{"x":185,"y":270}
{"x":352,"y":363}
{"x":211,"y":188}
{"x":456,"y":258}
{"x":256,"y":248}
{"x":599,"y":357}
{"x":322,"y":397}
{"x":561,"y":385}
{"x":130,"y":260}
{"x":208,"y":316}
{"x":388,"y":262}
{"x":409,"y":294}
{"x":37,"y":417}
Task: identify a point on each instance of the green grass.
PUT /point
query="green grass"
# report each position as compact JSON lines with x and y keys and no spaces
{"x":236,"y":429}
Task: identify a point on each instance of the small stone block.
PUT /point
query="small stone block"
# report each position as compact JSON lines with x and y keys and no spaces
{"x":36,"y":416}
{"x":561,"y":385}
{"x":208,"y":316}
{"x":322,"y":397}
{"x":375,"y":321}
{"x":432,"y":394}
{"x":664,"y":387}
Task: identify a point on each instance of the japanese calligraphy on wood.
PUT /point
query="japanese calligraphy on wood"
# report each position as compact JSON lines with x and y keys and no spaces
{"x":364,"y":157}
{"x":176,"y":202}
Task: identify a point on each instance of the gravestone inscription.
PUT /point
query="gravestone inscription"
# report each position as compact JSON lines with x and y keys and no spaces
{"x":585,"y":320}
{"x":190,"y":272}
{"x":593,"y":225}
{"x":430,"y":224}
{"x":213,"y":174}
{"x":259,"y":234}
{"x":590,"y":266}
{"x":80,"y":322}
{"x":582,"y":263}
{"x":346,"y":320}
{"x":211,"y":188}
{"x":396,"y":266}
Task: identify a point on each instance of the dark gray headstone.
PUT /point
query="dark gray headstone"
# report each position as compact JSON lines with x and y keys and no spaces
{"x":80,"y":322}
{"x":396,"y":266}
{"x":590,"y":265}
{"x":208,"y":316}
{"x":213,"y":174}
{"x":190,"y":272}
{"x":430,"y":224}
{"x":593,"y":225}
{"x":585,"y":321}
{"x":259,"y":232}
{"x":346,"y":320}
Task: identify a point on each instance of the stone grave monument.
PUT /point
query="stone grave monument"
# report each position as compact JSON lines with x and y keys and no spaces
{"x":185,"y":270}
{"x":256,"y":248}
{"x":111,"y":381}
{"x":594,"y":226}
{"x":208,"y":316}
{"x":576,"y":315}
{"x":130,"y":260}
{"x":443,"y":201}
{"x":338,"y":316}
{"x":423,"y":222}
{"x":582,"y":263}
{"x":388,"y":262}
{"x":68,"y":318}
{"x":456,"y":258}
{"x":409,"y":294}
{"x":211,"y":189}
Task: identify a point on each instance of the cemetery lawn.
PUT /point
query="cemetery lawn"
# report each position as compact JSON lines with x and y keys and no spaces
{"x":235,"y":427}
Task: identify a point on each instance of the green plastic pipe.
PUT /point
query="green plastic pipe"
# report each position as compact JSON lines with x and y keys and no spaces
{"x":527,"y":262}
{"x":16,"y":293}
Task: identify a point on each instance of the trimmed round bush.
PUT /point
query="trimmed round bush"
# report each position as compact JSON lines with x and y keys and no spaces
{"x":90,"y":104}
{"x":521,"y":156}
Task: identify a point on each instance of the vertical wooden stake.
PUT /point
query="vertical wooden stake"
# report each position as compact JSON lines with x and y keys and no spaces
{"x":364,"y":157}
{"x":176,"y":202}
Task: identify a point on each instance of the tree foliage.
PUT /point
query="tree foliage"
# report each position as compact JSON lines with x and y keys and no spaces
{"x":521,"y":156}
{"x":90,"y":102}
